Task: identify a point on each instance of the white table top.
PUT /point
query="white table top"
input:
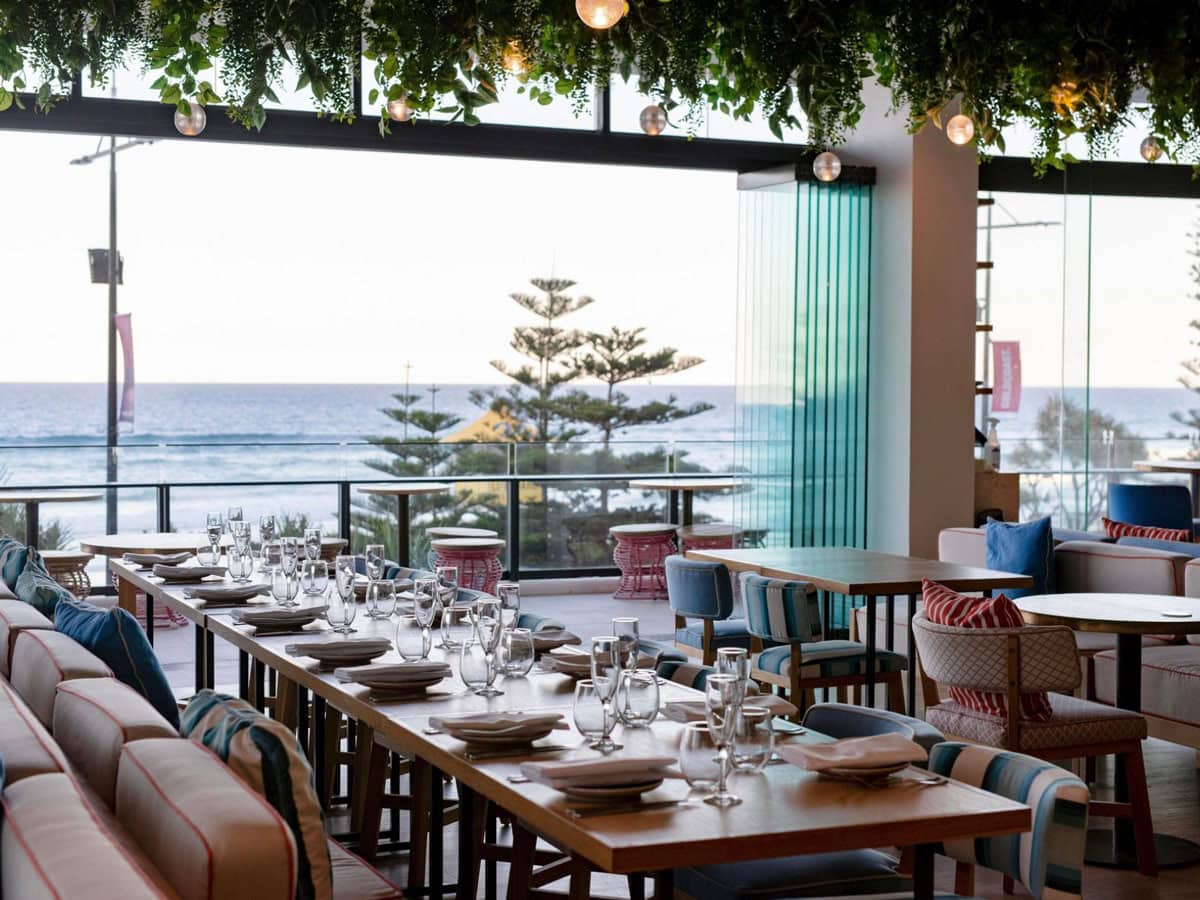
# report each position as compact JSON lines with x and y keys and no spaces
{"x":48,"y":496}
{"x":405,"y":488}
{"x":1114,"y":613}
{"x":686,"y":484}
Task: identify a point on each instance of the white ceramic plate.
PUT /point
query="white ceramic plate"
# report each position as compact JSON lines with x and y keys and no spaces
{"x":612,"y":791}
{"x":865,"y":774}
{"x":491,"y":739}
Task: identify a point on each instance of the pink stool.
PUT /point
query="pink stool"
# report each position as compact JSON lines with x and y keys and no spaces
{"x":711,"y":536}
{"x":477,"y":559}
{"x":640,"y":555}
{"x":441,"y":532}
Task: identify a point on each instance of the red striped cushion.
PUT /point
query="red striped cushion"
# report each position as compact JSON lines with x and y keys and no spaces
{"x":946,"y":607}
{"x":1123,"y":529}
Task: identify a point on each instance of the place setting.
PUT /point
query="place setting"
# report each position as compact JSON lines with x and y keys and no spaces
{"x":146,"y":562}
{"x":276,"y":620}
{"x":388,"y":682}
{"x":870,"y":761}
{"x":341,"y":652}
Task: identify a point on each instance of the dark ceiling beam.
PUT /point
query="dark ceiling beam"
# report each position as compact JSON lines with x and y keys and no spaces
{"x":1100,"y":179}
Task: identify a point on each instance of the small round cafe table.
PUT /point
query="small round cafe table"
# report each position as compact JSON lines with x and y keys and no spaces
{"x":146,"y":542}
{"x":684,"y":489}
{"x":402,"y":491}
{"x":1129,"y":617}
{"x":32,"y":499}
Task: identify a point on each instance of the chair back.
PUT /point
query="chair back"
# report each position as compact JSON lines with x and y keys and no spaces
{"x":1048,"y":859}
{"x":781,"y":611}
{"x":979,"y":658}
{"x":699,"y":589}
{"x":1156,"y":505}
{"x":689,"y":674}
{"x":844,"y":720}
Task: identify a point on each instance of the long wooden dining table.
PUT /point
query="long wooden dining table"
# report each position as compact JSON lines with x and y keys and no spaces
{"x":785,"y":810}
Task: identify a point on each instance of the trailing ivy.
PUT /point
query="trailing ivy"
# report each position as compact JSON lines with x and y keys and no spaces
{"x":1066,"y":67}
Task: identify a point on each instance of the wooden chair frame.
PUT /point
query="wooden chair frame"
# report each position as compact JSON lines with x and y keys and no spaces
{"x":800,"y":689}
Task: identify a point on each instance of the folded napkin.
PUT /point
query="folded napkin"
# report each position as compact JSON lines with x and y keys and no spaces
{"x":353,"y":648}
{"x":277,"y":615}
{"x":598,"y":772}
{"x":186,"y":573}
{"x":498,"y":722}
{"x":225,"y":592}
{"x":873,"y":752}
{"x":693,"y":710}
{"x":395,"y":673}
{"x":151,"y":559}
{"x":553,"y":637}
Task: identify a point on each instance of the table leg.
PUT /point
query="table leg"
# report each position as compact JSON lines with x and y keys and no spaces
{"x":688,"y":498}
{"x":912,"y":657}
{"x":260,"y":686}
{"x":1195,"y":495}
{"x":243,"y":675}
{"x":470,"y":833}
{"x":302,"y":719}
{"x":520,"y":870}
{"x":664,"y":884}
{"x":673,"y":507}
{"x":420,"y":780}
{"x":437,"y":860}
{"x":403,"y":555}
{"x":198,"y":634}
{"x":210,"y":660}
{"x":318,"y":727}
{"x":922,"y":877}
{"x":150,"y":618}
{"x":31,"y":524}
{"x":127,"y":596}
{"x":889,"y":636}
{"x":870,"y":687}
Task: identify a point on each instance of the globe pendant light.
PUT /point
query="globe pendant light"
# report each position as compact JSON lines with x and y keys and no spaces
{"x":653,"y":119}
{"x":193,"y":123}
{"x":827,"y":166}
{"x":1150,"y":149}
{"x":960,"y":129}
{"x":398,"y":110}
{"x":513,"y":60}
{"x":601,"y":14}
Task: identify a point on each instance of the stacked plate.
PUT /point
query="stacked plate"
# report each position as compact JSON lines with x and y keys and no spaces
{"x":694,"y":711}
{"x":569,"y":662}
{"x":189,"y":574}
{"x":858,"y":759}
{"x":146,"y":560}
{"x":277,"y":619}
{"x":501,"y":729}
{"x":544,"y":641}
{"x":602,"y":779}
{"x":396,"y":681}
{"x":225,"y":594}
{"x":341,"y":652}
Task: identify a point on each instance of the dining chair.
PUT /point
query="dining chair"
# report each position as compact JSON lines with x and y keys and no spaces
{"x":1031,"y":659}
{"x":788,"y":614}
{"x":1154,"y":505}
{"x":697,"y":589}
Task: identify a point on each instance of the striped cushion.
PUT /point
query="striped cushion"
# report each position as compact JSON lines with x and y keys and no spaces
{"x":946,"y":607}
{"x":1049,"y":859}
{"x":12,"y":560}
{"x":781,"y":610}
{"x":691,"y":675}
{"x":265,"y":755}
{"x":726,"y":633}
{"x":1123,"y":529}
{"x":35,"y":586}
{"x":828,"y":659}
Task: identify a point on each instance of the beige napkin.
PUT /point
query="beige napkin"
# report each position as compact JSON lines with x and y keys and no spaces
{"x":693,"y":710}
{"x":872,"y":752}
{"x":498,"y":722}
{"x":598,"y":772}
{"x":277,"y":615}
{"x":227,"y":592}
{"x":395,"y":673}
{"x":186,"y":573}
{"x":150,"y":559}
{"x":354,"y":648}
{"x":551,"y":638}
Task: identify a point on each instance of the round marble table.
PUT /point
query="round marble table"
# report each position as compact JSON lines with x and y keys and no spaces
{"x":402,"y":491}
{"x":1129,"y":617}
{"x":32,"y":499}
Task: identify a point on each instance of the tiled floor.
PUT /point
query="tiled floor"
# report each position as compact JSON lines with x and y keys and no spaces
{"x":1174,"y":782}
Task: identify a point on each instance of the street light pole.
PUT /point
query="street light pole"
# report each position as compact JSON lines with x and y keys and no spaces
{"x":110,"y":446}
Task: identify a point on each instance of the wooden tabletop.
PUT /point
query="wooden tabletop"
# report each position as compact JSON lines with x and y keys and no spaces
{"x":686,"y":484}
{"x":1188,"y":466}
{"x":1114,"y":613}
{"x":146,"y":542}
{"x":849,"y":570}
{"x":405,"y":488}
{"x":47,"y":496}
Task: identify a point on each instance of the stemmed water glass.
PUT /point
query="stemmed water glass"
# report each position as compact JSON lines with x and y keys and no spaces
{"x":489,"y":627}
{"x":454,"y":611}
{"x":425,"y":607}
{"x":625,"y":629}
{"x":373,"y":554}
{"x":721,"y":706}
{"x":312,"y":543}
{"x":606,"y":678}
{"x":314,"y":577}
{"x":735,"y":661}
{"x":381,"y":599}
{"x":342,"y":610}
{"x":289,"y":554}
{"x":233,"y":516}
{"x":266,"y":535}
{"x":509,"y":595}
{"x":215,"y":526}
{"x":343,"y":578}
{"x":240,"y":532}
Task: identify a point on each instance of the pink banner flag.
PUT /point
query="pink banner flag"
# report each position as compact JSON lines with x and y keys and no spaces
{"x":124,"y":325}
{"x":1006,"y":364}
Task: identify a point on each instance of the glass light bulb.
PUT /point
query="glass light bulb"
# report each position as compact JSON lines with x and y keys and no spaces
{"x":1150,"y":149}
{"x":601,"y":14}
{"x":191,"y":125}
{"x":960,"y":129}
{"x":398,"y":110}
{"x":513,"y":59}
{"x":827,"y":166}
{"x":653,"y":119}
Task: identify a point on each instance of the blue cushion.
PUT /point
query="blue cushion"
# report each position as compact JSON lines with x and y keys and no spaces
{"x":829,"y":659}
{"x":815,"y":875}
{"x":38,"y":589}
{"x":845,"y":720}
{"x":1153,"y":505}
{"x":726,"y":633}
{"x":1184,"y":547}
{"x":12,"y":561}
{"x":661,"y":651}
{"x":699,"y":589}
{"x":1027,"y":549}
{"x":115,"y":636}
{"x":534,"y":622}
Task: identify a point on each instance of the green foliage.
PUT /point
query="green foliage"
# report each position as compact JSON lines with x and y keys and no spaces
{"x":1063,"y":68}
{"x":1191,"y":377}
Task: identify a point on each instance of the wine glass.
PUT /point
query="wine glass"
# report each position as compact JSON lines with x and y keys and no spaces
{"x":606,"y":677}
{"x":516,"y":652}
{"x":447,"y":577}
{"x":425,"y":604}
{"x":284,"y":587}
{"x":412,"y":639}
{"x":314,"y":577}
{"x":341,"y":611}
{"x":698,"y":758}
{"x":215,"y":527}
{"x":266,"y":528}
{"x":753,"y":739}
{"x":721,"y":706}
{"x":312,"y":543}
{"x":625,"y":628}
{"x":735,"y":661}
{"x":344,"y":574}
{"x":509,"y":595}
{"x":593,"y":719}
{"x":381,"y":599}
{"x":638,"y":699}
{"x":489,"y":627}
{"x":289,"y":554}
{"x":233,"y":516}
{"x":240,"y":532}
{"x":374,"y":559}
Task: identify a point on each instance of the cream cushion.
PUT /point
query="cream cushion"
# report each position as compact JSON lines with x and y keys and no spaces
{"x":53,"y":846}
{"x":1170,"y":681}
{"x":16,"y":616}
{"x":25,"y":746}
{"x":965,"y":546}
{"x":1089,"y":566}
{"x":207,"y":832}
{"x":94,"y":718}
{"x":41,"y":659}
{"x":1075,"y":723}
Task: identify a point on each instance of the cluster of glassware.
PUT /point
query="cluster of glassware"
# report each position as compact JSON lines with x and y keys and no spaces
{"x":617,"y":691}
{"x":291,"y":564}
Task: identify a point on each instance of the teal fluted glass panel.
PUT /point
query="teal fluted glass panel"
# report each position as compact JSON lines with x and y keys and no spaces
{"x":803,"y":384}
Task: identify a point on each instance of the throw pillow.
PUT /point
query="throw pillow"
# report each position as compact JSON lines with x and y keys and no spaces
{"x":12,"y":560}
{"x":116,"y":638}
{"x":1027,"y":549}
{"x":946,"y":607}
{"x":1122,"y":529}
{"x":266,"y":756}
{"x":36,"y":587}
